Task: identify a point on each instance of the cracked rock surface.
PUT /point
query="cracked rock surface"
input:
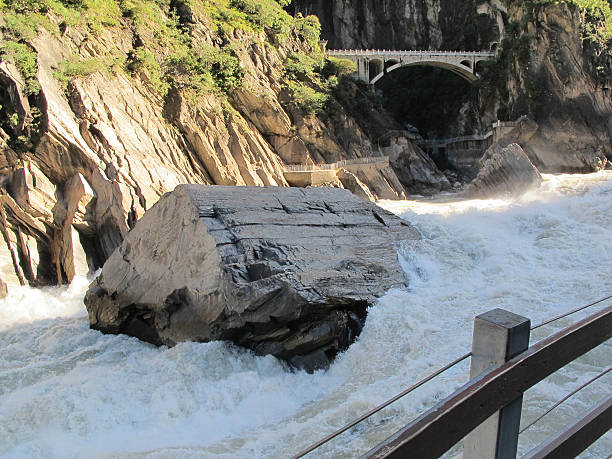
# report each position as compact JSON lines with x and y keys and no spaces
{"x":282,"y":271}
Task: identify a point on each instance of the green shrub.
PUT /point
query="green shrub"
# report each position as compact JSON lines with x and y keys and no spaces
{"x":14,"y":120}
{"x":267,"y":15}
{"x":596,"y":17}
{"x":204,"y":69}
{"x":223,"y":65}
{"x":302,"y":67}
{"x":308,"y":99}
{"x":100,"y":13}
{"x":144,"y":62}
{"x":20,"y":26}
{"x":76,"y":67}
{"x":338,"y":67}
{"x":24,"y":58}
{"x":309,"y":29}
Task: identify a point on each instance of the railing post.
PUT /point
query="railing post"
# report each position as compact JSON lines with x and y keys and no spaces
{"x":499,"y":335}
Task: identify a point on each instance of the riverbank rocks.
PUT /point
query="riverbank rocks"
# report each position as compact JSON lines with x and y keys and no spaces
{"x":282,"y":271}
{"x":504,"y":171}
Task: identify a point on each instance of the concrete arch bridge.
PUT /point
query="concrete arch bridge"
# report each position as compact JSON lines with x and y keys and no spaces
{"x":373,"y":64}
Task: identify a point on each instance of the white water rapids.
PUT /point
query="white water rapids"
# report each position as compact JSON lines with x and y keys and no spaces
{"x":67,"y":391}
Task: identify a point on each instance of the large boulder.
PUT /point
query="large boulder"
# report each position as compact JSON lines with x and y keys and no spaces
{"x":417,"y":171}
{"x":505,"y":171}
{"x":282,"y":271}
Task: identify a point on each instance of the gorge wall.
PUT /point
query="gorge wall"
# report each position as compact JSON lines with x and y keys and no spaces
{"x":105,"y":106}
{"x":554,"y":64}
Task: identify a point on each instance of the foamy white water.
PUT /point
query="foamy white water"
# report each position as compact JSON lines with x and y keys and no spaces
{"x":67,"y":391}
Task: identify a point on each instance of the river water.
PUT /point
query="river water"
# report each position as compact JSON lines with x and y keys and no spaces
{"x":67,"y":391}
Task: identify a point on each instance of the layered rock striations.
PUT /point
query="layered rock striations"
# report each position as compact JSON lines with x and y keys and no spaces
{"x":562,"y":79}
{"x":283,"y":271}
{"x":407,"y":24}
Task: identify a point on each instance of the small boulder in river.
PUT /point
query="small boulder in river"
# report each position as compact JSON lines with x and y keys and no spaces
{"x":282,"y":271}
{"x":505,"y":171}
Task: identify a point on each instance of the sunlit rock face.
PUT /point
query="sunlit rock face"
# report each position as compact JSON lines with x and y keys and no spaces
{"x":283,"y":271}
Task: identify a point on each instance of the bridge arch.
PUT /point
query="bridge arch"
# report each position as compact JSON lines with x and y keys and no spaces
{"x":376,"y":66}
{"x":464,"y":71}
{"x":390,"y":63}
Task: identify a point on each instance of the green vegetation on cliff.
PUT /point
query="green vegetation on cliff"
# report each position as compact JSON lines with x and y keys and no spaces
{"x":595,"y":16}
{"x":191,"y":45}
{"x":313,"y":79}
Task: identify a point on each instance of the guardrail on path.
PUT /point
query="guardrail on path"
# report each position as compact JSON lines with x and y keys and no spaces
{"x":382,"y":160}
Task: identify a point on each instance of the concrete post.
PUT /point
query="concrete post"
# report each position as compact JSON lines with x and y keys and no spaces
{"x":366,"y":71}
{"x":499,"y":335}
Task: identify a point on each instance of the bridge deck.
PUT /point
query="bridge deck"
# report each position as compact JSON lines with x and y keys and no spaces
{"x":387,"y":52}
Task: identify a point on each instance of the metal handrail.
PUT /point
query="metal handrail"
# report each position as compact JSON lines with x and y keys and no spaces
{"x":384,"y":160}
{"x":427,"y":379}
{"x":375,"y":410}
{"x":367,"y":52}
{"x":477,"y":137}
{"x":441,"y":427}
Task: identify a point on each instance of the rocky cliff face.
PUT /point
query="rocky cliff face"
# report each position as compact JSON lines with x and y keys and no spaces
{"x":102,"y":115}
{"x":548,"y":67}
{"x":560,"y":79}
{"x":406,"y":24}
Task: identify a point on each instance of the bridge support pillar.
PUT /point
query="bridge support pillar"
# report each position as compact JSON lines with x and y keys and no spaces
{"x":363,"y":69}
{"x":499,"y":335}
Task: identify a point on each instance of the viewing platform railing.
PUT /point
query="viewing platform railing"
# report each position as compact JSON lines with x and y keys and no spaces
{"x":383,"y":161}
{"x":465,"y":138}
{"x":470,"y":138}
{"x":486,"y":412}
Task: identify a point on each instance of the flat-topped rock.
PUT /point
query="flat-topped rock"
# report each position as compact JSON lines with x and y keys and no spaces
{"x":282,"y":271}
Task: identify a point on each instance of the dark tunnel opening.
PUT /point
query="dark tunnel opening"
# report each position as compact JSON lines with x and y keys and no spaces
{"x":438,"y":102}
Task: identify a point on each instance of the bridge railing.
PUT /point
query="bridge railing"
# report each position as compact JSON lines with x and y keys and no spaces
{"x":367,"y":52}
